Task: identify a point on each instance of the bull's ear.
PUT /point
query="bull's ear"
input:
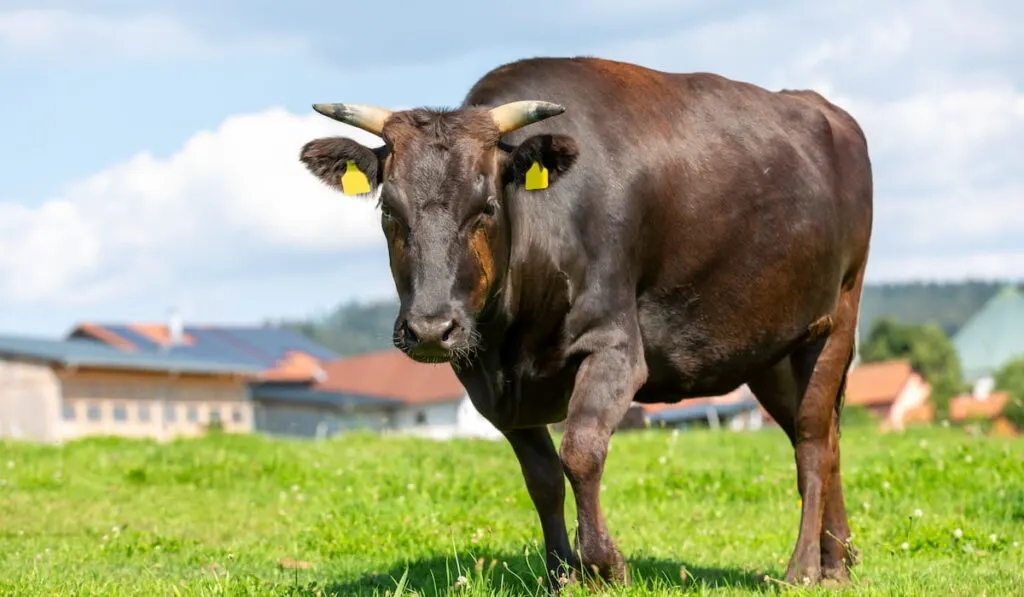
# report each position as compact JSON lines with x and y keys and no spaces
{"x":541,"y":160}
{"x":344,"y":164}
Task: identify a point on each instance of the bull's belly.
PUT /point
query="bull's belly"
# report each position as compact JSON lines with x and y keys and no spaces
{"x":694,"y":352}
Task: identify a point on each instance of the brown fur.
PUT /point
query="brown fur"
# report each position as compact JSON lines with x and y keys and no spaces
{"x":698,"y":233}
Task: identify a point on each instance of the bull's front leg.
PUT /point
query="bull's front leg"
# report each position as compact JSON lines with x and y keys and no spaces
{"x":545,"y":481}
{"x":605,"y":385}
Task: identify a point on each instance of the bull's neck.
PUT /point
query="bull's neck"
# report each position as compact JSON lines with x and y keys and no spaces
{"x":537,"y":285}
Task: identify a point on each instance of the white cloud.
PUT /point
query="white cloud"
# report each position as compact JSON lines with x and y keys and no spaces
{"x":932,"y":84}
{"x":978,"y":265}
{"x":65,"y":34}
{"x":228,"y":199}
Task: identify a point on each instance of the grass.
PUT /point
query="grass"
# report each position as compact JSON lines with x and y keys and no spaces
{"x":933,"y":511}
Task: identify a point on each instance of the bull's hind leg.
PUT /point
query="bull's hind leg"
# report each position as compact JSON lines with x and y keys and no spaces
{"x":778,"y":391}
{"x":802,"y":394}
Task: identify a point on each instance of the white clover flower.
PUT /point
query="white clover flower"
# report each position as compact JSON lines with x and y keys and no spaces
{"x":958,"y":533}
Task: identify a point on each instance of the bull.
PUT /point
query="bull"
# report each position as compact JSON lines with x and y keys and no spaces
{"x":582,"y":233}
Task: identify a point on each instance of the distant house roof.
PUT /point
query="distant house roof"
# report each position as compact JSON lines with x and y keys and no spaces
{"x":733,"y":402}
{"x":962,"y":408}
{"x":280,"y":353}
{"x":392,"y":374}
{"x":84,"y":353}
{"x":992,"y":336}
{"x":870,"y":384}
{"x":305,"y":396}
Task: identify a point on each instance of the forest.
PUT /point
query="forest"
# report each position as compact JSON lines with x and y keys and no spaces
{"x":357,"y":327}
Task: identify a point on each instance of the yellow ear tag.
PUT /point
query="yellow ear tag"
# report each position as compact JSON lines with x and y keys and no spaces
{"x":353,"y":181}
{"x":536,"y":177}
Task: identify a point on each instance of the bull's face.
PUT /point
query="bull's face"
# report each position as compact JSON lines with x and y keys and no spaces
{"x":442,"y":179}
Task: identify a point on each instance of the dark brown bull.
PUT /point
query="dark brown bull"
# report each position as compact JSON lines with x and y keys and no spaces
{"x":697,"y":233}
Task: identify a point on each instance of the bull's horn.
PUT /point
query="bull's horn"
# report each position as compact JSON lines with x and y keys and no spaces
{"x":368,"y":118}
{"x":516,"y":115}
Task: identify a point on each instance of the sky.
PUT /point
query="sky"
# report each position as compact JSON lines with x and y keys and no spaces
{"x":149,"y":148}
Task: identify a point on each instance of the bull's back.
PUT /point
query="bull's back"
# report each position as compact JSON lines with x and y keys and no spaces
{"x":746,"y":211}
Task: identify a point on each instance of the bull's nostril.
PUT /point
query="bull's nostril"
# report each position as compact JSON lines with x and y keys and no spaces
{"x":410,"y":336}
{"x":448,"y":331}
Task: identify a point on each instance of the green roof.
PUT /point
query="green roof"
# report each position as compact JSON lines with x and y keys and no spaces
{"x":86,"y":353}
{"x":992,"y":336}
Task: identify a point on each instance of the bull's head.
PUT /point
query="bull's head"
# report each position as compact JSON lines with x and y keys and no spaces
{"x":443,"y":178}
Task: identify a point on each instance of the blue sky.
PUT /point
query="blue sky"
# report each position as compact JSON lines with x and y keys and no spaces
{"x":149,"y":148}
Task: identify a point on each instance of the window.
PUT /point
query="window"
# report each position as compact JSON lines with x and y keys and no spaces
{"x":236,"y":415}
{"x":93,"y":412}
{"x":421,"y":418}
{"x":170,"y":413}
{"x":215,"y":415}
{"x":120,"y":413}
{"x":69,"y":412}
{"x":143,"y":412}
{"x":192,"y":414}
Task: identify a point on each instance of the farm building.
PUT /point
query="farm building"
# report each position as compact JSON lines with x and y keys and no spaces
{"x":431,"y":400}
{"x":737,"y":410}
{"x":255,"y":379}
{"x":55,"y":390}
{"x":892,"y":391}
{"x":983,"y":405}
{"x":283,"y":397}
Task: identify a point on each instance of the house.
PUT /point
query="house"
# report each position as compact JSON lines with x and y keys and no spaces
{"x":992,"y":336}
{"x":737,"y":410}
{"x":432,"y":401}
{"x":281,"y":354}
{"x":284,"y":396}
{"x":56,"y":390}
{"x":892,"y":391}
{"x":983,"y":404}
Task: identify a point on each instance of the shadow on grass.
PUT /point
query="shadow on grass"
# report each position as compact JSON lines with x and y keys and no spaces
{"x":511,"y":574}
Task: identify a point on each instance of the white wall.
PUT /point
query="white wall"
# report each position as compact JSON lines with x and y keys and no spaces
{"x":457,"y":418}
{"x":29,"y":401}
{"x":914,"y":394}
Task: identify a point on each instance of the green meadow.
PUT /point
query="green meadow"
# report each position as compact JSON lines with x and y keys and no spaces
{"x":934,"y":511}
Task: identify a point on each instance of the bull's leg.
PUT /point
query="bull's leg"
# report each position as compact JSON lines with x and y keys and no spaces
{"x":778,"y":392}
{"x":837,"y":555}
{"x":605,"y":385}
{"x":545,"y":481}
{"x":820,"y":371}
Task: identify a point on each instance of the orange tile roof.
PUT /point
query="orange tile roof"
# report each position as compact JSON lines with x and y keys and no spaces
{"x":877,"y":383}
{"x":392,"y":374}
{"x":734,"y":396}
{"x":969,"y":407}
{"x":159,"y":333}
{"x":105,"y":335}
{"x":295,"y":366}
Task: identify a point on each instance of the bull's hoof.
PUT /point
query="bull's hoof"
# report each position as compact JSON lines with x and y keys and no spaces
{"x":803,"y":576}
{"x":835,"y":577}
{"x":611,"y":571}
